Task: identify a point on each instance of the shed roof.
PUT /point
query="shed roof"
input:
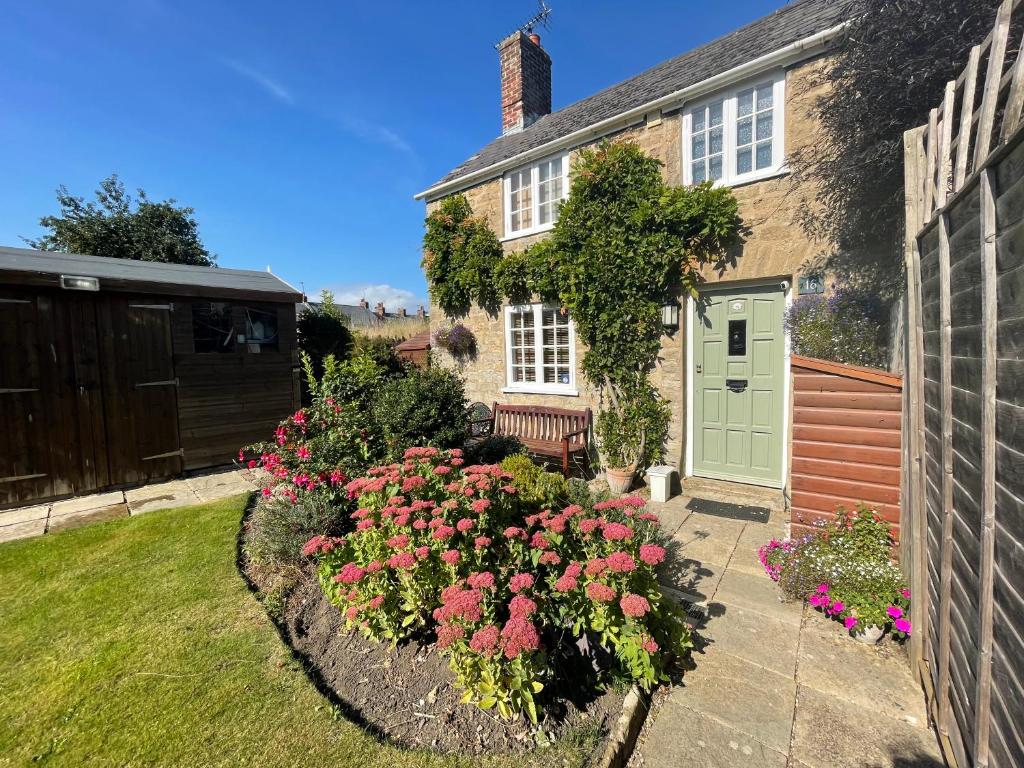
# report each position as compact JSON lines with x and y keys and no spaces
{"x":44,"y":268}
{"x":788,"y":25}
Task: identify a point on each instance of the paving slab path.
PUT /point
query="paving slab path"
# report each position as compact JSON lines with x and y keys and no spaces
{"x":773,"y":683}
{"x":40,"y":519}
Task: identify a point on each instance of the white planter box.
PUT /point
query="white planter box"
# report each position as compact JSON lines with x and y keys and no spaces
{"x":659,"y":480}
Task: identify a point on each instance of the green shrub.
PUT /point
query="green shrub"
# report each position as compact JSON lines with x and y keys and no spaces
{"x":634,"y":429}
{"x":427,"y":406}
{"x":381,"y":350}
{"x":546,"y":490}
{"x":493,"y":449}
{"x":279,"y":528}
{"x":848,"y":326}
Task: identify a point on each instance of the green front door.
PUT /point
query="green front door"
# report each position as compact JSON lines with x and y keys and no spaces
{"x":738,"y":378}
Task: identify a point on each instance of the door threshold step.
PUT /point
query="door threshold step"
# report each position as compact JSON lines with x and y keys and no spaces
{"x":735,"y":493}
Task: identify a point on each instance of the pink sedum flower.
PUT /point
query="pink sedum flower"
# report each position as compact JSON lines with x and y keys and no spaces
{"x":652,"y":554}
{"x":519,"y":582}
{"x":599,"y":592}
{"x":634,"y":606}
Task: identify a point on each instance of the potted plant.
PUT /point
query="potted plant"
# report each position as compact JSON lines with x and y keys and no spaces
{"x":456,"y":339}
{"x":623,"y":430}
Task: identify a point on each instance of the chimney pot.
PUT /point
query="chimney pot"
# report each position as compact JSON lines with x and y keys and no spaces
{"x":401,"y":312}
{"x":535,"y":38}
{"x":364,"y":304}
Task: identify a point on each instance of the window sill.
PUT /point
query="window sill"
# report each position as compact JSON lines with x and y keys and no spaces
{"x":527,"y":233}
{"x":753,"y":178}
{"x":521,"y":390}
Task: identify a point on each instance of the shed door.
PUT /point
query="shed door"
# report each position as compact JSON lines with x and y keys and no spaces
{"x":140,"y":389}
{"x":27,"y":378}
{"x":738,"y":382}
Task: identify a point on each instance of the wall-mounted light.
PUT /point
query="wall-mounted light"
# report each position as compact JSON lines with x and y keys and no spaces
{"x":670,"y":315}
{"x":79,"y":283}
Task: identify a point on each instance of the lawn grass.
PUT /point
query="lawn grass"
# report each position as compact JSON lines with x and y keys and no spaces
{"x":135,"y":642}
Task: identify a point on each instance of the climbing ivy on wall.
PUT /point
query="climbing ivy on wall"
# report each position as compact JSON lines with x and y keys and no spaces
{"x":460,"y":252}
{"x":624,"y":243}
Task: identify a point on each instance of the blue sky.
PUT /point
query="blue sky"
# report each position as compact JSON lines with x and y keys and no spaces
{"x":298,"y":131}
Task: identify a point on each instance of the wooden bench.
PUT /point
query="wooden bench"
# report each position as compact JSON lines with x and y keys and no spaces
{"x":543,"y":430}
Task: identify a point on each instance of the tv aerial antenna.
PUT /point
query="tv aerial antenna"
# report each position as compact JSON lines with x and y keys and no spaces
{"x":540,"y":18}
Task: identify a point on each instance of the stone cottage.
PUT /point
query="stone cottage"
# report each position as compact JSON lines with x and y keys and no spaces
{"x":731,"y":111}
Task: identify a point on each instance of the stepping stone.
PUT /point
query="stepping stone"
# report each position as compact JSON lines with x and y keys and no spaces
{"x":744,"y":557}
{"x":23,"y":530}
{"x":831,"y":733}
{"x":219,"y":485}
{"x":24,"y":514}
{"x":757,"y":593}
{"x":741,"y":695}
{"x":707,"y":539}
{"x":682,"y":737}
{"x":671,"y":514}
{"x":696,"y":580}
{"x":874,"y":676}
{"x":752,"y":636}
{"x":176,"y":493}
{"x":86,"y":503}
{"x":79,"y":518}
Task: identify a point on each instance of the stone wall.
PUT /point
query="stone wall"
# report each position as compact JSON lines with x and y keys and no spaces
{"x":775,"y":247}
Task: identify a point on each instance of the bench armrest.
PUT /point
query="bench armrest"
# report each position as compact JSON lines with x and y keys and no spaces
{"x":578,"y":432}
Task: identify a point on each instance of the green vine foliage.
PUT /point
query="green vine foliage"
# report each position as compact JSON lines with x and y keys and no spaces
{"x":624,"y":243}
{"x":460,"y":253}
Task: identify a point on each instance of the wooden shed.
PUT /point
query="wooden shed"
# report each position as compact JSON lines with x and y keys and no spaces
{"x":117,"y":372}
{"x":415,"y":349}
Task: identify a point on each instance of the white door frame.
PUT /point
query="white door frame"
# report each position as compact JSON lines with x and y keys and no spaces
{"x":691,"y":315}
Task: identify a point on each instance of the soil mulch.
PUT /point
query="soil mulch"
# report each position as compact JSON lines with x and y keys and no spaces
{"x":406,"y":693}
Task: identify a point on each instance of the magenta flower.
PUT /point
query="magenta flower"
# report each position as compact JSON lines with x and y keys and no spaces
{"x":894,"y":611}
{"x":837,"y":606}
{"x":850,"y":622}
{"x":823,"y":589}
{"x":902,"y":625}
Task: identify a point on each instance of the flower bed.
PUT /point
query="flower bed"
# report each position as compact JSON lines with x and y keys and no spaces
{"x":845,"y":570}
{"x":447,"y":551}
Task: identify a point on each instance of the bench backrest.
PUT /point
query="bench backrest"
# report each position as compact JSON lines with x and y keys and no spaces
{"x":539,"y":422}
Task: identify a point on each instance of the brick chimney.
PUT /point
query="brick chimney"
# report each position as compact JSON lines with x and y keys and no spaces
{"x":364,"y":304}
{"x":379,"y":310}
{"x":421,"y":312}
{"x":401,"y":311}
{"x":525,"y":81}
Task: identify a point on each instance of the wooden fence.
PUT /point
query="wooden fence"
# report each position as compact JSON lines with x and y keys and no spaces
{"x":963,"y":478}
{"x":846,"y":441}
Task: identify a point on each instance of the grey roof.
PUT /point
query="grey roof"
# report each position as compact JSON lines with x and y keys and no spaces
{"x":361,"y":317}
{"x":789,"y":24}
{"x":45,"y":268}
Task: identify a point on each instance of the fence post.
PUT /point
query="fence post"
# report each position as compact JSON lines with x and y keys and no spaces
{"x":914,"y":529}
{"x":989,"y":320}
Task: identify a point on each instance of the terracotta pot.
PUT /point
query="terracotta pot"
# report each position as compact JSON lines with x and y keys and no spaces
{"x":620,"y":478}
{"x":870,"y":635}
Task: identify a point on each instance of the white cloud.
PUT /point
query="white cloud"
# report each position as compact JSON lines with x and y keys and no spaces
{"x":268,"y":84}
{"x":393,"y":298}
{"x":377,"y":133}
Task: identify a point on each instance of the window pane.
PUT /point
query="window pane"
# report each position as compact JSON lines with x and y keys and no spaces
{"x":545,"y":171}
{"x":745,"y":103}
{"x":715,"y":141}
{"x":260,"y":329}
{"x":715,"y":171}
{"x":697,"y":120}
{"x":715,"y":114}
{"x":531,"y":374}
{"x":697,"y":144}
{"x":698,"y":172}
{"x":764,"y":96}
{"x":743,"y":132}
{"x":764,"y":127}
{"x":743,"y":161}
{"x":212,"y":327}
{"x":764,"y":155}
{"x":556,"y":188}
{"x":515,"y":222}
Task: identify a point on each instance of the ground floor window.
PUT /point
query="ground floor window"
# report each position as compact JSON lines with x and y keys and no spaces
{"x":540,"y":347}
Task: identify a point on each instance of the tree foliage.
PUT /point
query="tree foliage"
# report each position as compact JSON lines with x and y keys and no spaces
{"x":888,"y":70}
{"x":121,"y":227}
{"x":460,"y":252}
{"x":323,"y":330}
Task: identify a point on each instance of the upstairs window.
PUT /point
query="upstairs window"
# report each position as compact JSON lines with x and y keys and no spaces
{"x":735,"y":137}
{"x":540,"y":349}
{"x":533,"y":194}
